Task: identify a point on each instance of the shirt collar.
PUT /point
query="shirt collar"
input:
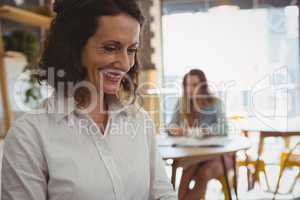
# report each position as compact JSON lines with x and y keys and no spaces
{"x":62,"y":106}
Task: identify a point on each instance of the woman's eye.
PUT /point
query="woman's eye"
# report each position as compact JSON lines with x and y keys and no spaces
{"x":109,"y":49}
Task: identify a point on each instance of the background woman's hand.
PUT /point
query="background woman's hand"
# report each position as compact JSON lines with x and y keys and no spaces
{"x":177,"y":131}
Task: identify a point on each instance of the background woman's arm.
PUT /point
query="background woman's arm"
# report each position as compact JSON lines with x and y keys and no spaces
{"x":174,"y":127}
{"x":222,"y":121}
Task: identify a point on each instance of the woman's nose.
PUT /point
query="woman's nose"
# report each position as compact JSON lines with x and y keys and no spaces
{"x":123,"y":61}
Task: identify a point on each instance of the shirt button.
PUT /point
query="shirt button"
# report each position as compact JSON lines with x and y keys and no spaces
{"x":104,"y":147}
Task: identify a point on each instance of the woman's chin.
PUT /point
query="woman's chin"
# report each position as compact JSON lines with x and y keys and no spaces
{"x":111,"y":90}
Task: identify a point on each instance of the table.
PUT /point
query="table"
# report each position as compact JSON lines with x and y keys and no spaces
{"x":183,"y":156}
{"x":269,"y":127}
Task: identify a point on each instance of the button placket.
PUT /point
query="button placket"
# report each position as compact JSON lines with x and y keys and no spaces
{"x":105,"y":154}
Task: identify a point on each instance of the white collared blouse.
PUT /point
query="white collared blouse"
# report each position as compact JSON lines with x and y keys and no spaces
{"x":61,"y":154}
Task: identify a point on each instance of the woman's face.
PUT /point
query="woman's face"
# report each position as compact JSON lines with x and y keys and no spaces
{"x":110,"y":53}
{"x":192,"y":85}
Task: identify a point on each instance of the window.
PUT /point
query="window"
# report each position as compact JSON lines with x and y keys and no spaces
{"x":250,"y":57}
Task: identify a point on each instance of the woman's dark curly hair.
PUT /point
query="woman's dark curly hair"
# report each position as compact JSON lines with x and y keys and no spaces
{"x":74,"y":24}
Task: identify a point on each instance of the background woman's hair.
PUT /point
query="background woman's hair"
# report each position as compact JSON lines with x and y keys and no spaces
{"x":187,"y":104}
{"x":74,"y":24}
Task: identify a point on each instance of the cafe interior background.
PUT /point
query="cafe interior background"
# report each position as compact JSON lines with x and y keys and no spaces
{"x":249,"y":50}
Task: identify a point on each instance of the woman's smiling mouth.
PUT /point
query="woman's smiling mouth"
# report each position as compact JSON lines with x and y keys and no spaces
{"x":112,"y":75}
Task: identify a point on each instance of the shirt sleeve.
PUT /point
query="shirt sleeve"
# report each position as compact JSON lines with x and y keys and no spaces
{"x":161,"y":187}
{"x":222,"y":121}
{"x":23,"y":166}
{"x":175,"y":120}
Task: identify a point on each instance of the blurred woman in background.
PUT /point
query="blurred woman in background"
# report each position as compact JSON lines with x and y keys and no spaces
{"x":198,"y":108}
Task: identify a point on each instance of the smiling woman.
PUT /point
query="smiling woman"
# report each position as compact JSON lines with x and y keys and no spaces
{"x":110,"y":52}
{"x":85,"y":142}
{"x":80,"y":42}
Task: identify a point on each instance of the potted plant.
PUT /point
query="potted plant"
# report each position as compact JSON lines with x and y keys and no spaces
{"x":27,"y":44}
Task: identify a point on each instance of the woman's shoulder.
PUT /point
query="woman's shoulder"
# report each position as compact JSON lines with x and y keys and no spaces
{"x":141,"y":115}
{"x":133,"y":108}
{"x":216,"y":102}
{"x":25,"y":130}
{"x":30,"y":122}
{"x":138,"y":111}
{"x":34,"y":120}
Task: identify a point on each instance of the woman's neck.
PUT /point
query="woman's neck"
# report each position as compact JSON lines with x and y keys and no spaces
{"x":98,"y":111}
{"x":95,"y":107}
{"x":98,"y":104}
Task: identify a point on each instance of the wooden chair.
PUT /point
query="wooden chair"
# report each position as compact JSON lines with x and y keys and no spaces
{"x":224,"y":186}
{"x":250,"y":162}
{"x":258,"y":164}
{"x":289,"y":159}
{"x":222,"y":180}
{"x":253,"y":177}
